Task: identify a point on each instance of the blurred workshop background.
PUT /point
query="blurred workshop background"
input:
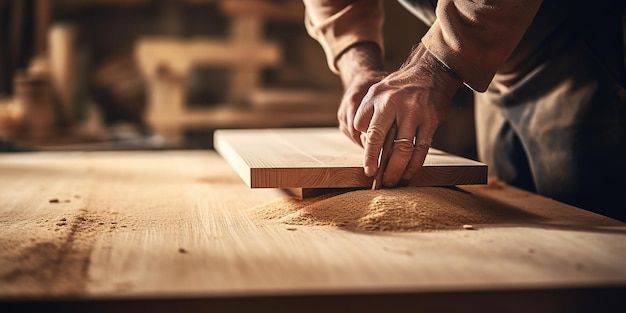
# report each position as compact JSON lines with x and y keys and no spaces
{"x":164,"y":74}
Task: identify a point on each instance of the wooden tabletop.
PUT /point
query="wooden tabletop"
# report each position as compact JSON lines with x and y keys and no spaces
{"x":180,"y":230}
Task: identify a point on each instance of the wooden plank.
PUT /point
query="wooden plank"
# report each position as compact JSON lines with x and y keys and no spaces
{"x":181,"y":225}
{"x":325,"y":158}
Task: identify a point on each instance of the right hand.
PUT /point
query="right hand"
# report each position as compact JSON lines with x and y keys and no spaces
{"x":417,"y":98}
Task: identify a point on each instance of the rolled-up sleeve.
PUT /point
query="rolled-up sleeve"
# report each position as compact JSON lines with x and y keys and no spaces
{"x":474,"y":38}
{"x":337,"y":25}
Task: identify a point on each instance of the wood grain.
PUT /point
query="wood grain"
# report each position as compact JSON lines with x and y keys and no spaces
{"x":123,"y":226}
{"x":325,"y":158}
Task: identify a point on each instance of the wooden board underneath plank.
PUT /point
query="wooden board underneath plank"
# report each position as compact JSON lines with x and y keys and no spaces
{"x":143,"y":228}
{"x":325,"y":158}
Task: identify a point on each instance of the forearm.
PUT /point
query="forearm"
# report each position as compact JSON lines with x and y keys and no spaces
{"x":475,"y":37}
{"x":364,"y":57}
{"x":339,"y":25}
{"x":421,"y":65}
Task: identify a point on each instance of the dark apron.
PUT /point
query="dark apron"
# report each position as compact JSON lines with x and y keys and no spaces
{"x":553,"y":120}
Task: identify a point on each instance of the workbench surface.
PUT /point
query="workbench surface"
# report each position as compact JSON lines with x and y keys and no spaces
{"x":148,"y":229}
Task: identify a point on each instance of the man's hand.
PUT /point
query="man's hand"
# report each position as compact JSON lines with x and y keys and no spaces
{"x":353,"y":94}
{"x":360,"y":68}
{"x":417,"y":97}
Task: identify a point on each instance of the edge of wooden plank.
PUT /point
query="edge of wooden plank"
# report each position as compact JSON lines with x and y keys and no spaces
{"x":308,"y":177}
{"x":355,"y":178}
{"x":233,"y":158}
{"x":433,"y":174}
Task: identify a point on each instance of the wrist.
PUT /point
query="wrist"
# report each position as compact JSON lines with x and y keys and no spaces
{"x":363,"y":58}
{"x":442,"y":75}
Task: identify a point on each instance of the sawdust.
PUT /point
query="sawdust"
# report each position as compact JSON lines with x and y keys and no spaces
{"x":50,"y":255}
{"x":400,"y":209}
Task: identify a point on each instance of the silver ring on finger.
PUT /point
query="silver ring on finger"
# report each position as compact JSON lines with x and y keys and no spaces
{"x":403,"y":140}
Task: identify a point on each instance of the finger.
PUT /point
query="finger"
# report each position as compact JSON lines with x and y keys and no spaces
{"x":402,"y":152}
{"x":356,"y":137}
{"x":345,"y":117}
{"x":422,"y":144}
{"x":354,"y":134}
{"x":361,"y":123}
{"x":365,"y":113}
{"x":376,"y":133}
{"x":363,"y":139}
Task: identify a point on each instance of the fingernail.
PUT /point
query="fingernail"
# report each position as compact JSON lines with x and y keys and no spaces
{"x":369,"y":171}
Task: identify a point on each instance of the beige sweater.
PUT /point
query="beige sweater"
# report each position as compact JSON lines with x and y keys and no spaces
{"x":473,"y":38}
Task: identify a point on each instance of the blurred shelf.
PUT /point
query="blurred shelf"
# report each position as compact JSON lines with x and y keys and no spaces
{"x":232,"y":117}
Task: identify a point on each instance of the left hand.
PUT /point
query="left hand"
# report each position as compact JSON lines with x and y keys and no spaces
{"x":417,"y":97}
